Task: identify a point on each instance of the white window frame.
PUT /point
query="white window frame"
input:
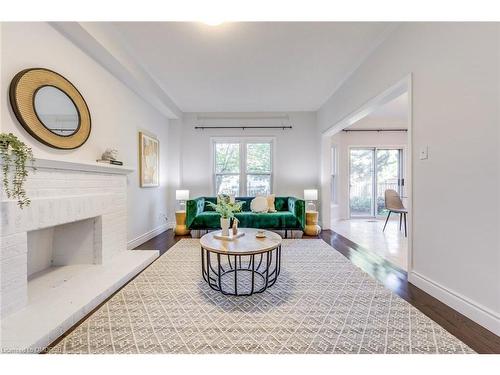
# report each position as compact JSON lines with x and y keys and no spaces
{"x":242,"y":141}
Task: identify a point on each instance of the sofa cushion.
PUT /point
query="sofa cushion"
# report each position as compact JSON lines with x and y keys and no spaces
{"x":246,"y":203}
{"x":270,"y":202}
{"x":259,"y":204}
{"x":206,"y":220}
{"x":207,"y":206}
{"x":281,"y":203}
{"x":269,"y":220}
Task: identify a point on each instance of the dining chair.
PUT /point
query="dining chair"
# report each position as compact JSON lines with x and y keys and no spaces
{"x":393,"y":204}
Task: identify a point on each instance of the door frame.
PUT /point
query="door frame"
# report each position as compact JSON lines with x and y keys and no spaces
{"x":400,"y":87}
{"x":402,"y":167}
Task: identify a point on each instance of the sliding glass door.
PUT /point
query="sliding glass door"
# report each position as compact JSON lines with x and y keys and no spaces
{"x":371,"y":172}
{"x":389,"y":175}
{"x":361,"y":182}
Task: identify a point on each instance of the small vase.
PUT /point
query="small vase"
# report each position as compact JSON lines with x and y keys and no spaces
{"x":224,"y":224}
{"x":235,"y":227}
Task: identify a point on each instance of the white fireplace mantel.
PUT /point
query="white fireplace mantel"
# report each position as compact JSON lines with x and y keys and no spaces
{"x":83,"y":167}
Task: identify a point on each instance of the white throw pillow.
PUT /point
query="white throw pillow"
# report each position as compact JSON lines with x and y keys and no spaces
{"x":259,"y":204}
{"x":270,"y":202}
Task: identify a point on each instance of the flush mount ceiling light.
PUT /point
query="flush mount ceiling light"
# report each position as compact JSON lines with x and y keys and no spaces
{"x":212,"y":21}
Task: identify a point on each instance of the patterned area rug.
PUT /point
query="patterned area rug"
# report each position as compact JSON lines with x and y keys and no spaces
{"x":321,"y":303}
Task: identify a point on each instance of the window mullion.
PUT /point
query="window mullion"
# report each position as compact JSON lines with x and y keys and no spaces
{"x":243,"y":169}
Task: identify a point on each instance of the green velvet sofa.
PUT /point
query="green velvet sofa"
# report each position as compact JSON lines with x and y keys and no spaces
{"x":290,"y":214}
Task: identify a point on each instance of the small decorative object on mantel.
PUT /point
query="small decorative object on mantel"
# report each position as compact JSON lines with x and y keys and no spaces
{"x":109,"y":156}
{"x":114,"y":162}
{"x":15,"y":152}
{"x":226,"y":210}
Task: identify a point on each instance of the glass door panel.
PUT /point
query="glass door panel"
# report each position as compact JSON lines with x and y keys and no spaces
{"x":361,"y":182}
{"x":372,"y":172}
{"x":388,"y":168}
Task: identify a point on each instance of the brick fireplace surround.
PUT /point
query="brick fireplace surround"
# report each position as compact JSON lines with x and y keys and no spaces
{"x":65,"y":253}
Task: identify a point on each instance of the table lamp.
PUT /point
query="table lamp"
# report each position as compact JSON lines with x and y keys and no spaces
{"x":182,"y":196}
{"x":311,"y":195}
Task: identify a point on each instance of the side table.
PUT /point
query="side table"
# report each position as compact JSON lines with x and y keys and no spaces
{"x":312,"y":228}
{"x":180,"y":221}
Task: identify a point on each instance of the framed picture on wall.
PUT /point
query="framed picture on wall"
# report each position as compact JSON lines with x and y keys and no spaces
{"x":149,"y":160}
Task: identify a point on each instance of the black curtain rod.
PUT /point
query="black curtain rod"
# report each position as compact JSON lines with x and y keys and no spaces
{"x":375,"y":130}
{"x":243,"y":127}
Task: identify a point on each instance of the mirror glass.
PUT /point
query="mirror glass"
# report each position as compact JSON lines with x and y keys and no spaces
{"x":56,"y":111}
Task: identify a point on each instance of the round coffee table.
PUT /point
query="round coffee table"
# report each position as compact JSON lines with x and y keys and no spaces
{"x":243,"y":266}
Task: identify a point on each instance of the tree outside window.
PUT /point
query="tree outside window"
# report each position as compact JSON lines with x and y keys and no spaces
{"x":243,"y":168}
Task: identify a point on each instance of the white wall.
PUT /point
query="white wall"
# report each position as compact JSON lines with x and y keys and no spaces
{"x":296,"y":151}
{"x":455,"y":96}
{"x":343,"y":141}
{"x":117,"y":115}
{"x":173,"y":165}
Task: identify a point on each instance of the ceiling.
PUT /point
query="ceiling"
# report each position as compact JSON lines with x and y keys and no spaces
{"x":393,"y":114}
{"x":247,"y":67}
{"x":396,"y":109}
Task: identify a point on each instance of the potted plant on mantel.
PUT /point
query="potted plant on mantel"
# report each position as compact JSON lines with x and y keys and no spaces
{"x":15,"y":153}
{"x":226,"y":209}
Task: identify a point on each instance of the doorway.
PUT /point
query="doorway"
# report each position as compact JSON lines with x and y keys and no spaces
{"x":372,"y":171}
{"x":372,"y":155}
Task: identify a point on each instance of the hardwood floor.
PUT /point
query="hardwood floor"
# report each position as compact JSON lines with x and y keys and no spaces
{"x":395,"y":279}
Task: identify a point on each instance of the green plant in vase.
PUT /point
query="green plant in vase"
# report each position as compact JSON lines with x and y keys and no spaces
{"x":16,"y":154}
{"x":226,"y":210}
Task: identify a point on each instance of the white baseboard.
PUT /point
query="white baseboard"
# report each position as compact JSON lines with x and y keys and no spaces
{"x":471,"y":309}
{"x":148,"y":235}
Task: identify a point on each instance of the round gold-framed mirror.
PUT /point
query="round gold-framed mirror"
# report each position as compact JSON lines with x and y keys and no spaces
{"x":50,"y":108}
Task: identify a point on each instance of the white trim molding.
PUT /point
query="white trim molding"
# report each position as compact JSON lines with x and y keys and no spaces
{"x":148,"y":235}
{"x":473,"y":310}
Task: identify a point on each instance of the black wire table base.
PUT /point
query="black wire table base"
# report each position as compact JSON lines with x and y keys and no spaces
{"x":241,"y":275}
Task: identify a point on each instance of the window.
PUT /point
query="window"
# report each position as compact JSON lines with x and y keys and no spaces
{"x":243,"y":167}
{"x":227,"y":168}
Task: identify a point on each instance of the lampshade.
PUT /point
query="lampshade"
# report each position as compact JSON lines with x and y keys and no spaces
{"x":311,"y":194}
{"x":182,"y":195}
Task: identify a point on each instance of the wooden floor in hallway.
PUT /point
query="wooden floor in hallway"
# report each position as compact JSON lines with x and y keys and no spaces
{"x":390,"y":244}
